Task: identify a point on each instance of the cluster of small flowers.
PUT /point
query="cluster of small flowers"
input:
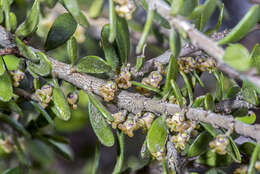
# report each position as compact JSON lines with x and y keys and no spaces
{"x":189,"y":64}
{"x":8,"y":146}
{"x":44,"y":95}
{"x":123,"y":79}
{"x":125,"y":8}
{"x":153,"y":80}
{"x":128,"y":124}
{"x":17,"y":77}
{"x":108,"y":91}
{"x":182,"y":129}
{"x":219,"y":145}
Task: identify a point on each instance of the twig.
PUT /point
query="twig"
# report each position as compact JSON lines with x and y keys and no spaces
{"x":135,"y":102}
{"x":201,"y":41}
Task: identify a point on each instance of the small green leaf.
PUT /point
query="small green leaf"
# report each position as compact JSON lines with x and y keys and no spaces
{"x":188,"y":86}
{"x":176,"y":7}
{"x":6,"y":7}
{"x":187,"y":7}
{"x":61,"y":148}
{"x":96,"y":160}
{"x":73,"y":8}
{"x":2,"y":66}
{"x":247,"y":119}
{"x":198,"y":102}
{"x":175,"y":43}
{"x":112,"y":21}
{"x":15,"y":170}
{"x":12,"y":62}
{"x":233,"y":151}
{"x":72,"y":49}
{"x":157,"y":17}
{"x":108,"y":48}
{"x":208,"y":102}
{"x":123,"y":39}
{"x":120,"y":157}
{"x":197,"y":77}
{"x":209,"y":8}
{"x":15,"y":124}
{"x":100,"y":107}
{"x":157,"y":135}
{"x":61,"y":104}
{"x":177,"y":93}
{"x":26,"y":51}
{"x":244,"y":26}
{"x":214,"y":160}
{"x":200,"y":144}
{"x":220,"y":84}
{"x":171,"y":74}
{"x":13,"y":21}
{"x":253,"y":160}
{"x":43,"y":68}
{"x":92,"y":64}
{"x":232,"y":92}
{"x":247,"y":148}
{"x":146,"y":31}
{"x":150,"y":88}
{"x":30,"y":24}
{"x":62,"y":29}
{"x":139,"y":62}
{"x":255,"y":57}
{"x":95,"y":8}
{"x":100,"y":126}
{"x":43,"y":112}
{"x":237,"y":56}
{"x":249,"y":92}
{"x":209,"y":129}
{"x":6,"y":89}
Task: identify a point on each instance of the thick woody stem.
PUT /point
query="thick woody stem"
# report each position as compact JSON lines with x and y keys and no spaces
{"x":135,"y":102}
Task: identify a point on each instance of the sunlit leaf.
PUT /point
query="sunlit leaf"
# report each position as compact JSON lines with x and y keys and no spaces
{"x":12,"y":62}
{"x":243,"y":27}
{"x":30,"y":24}
{"x":6,"y":89}
{"x":157,"y":135}
{"x":92,"y":64}
{"x":95,"y":8}
{"x":247,"y":119}
{"x":72,"y":49}
{"x":100,"y":126}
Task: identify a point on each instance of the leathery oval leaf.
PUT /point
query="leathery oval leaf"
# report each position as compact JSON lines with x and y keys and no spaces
{"x":95,"y":8}
{"x":237,"y":56}
{"x":73,"y":8}
{"x":43,"y":68}
{"x":92,"y":64}
{"x":106,"y":114}
{"x":61,"y":104}
{"x":100,"y":126}
{"x":6,"y":89}
{"x":25,"y":50}
{"x":247,"y":119}
{"x":200,"y":144}
{"x":62,"y":29}
{"x":244,"y":26}
{"x":31,"y":22}
{"x":255,"y":57}
{"x":157,"y":135}
{"x":13,"y":21}
{"x":12,"y":62}
{"x":72,"y":49}
{"x":108,"y":48}
{"x":2,"y":66}
{"x":208,"y":102}
{"x":123,"y":39}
